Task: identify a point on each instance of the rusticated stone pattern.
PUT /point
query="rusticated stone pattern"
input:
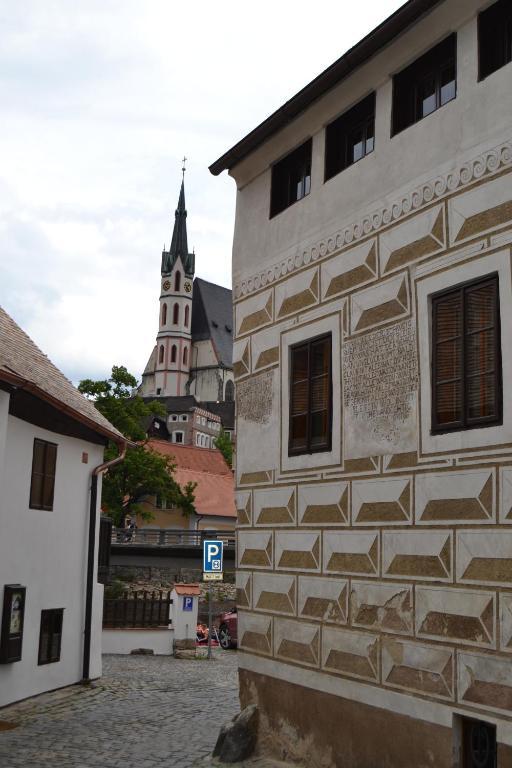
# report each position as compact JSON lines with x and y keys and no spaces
{"x":393,"y":567}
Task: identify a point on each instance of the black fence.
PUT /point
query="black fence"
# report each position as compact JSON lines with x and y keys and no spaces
{"x":169,"y":537}
{"x":139,"y":609}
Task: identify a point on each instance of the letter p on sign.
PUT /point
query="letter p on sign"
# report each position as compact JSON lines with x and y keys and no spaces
{"x":212,"y":556}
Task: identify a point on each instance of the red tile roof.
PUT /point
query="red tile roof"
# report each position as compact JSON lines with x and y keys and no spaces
{"x":215,"y":491}
{"x":187,"y":589}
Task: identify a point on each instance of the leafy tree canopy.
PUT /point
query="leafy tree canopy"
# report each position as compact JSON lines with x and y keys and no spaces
{"x":225,"y":446}
{"x":144,"y":472}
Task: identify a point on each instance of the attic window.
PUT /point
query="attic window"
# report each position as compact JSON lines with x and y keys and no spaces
{"x":350,"y":137}
{"x":425,"y":85}
{"x":291,"y":178}
{"x":495,"y":37}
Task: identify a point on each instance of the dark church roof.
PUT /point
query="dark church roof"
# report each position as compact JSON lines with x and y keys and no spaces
{"x":179,"y":243}
{"x":225,"y":409}
{"x":212,"y":318}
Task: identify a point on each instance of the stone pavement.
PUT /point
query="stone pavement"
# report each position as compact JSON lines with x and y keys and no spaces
{"x":145,"y":712}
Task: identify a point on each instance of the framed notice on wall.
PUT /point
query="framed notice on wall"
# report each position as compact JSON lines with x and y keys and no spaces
{"x":11,"y":632}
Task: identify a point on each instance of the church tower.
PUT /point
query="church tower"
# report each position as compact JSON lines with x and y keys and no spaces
{"x":173,"y":352}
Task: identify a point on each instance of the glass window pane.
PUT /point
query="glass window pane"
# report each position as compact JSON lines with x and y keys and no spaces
{"x":319,"y":428}
{"x":307,"y":184}
{"x":481,"y":396}
{"x":48,"y":488}
{"x":448,"y":316}
{"x":320,"y":357}
{"x":300,"y":398}
{"x":299,"y":432}
{"x":480,"y":304}
{"x":320,"y":393}
{"x":356,"y":145}
{"x":481,"y":353}
{"x":448,"y":360}
{"x":448,"y":83}
{"x":36,"y":490}
{"x":369,"y":145}
{"x":427,"y":96}
{"x":448,"y":403}
{"x":38,"y":458}
{"x":300,"y":359}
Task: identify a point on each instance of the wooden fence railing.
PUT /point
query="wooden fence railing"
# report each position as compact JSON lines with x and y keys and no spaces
{"x":170,"y":537}
{"x":140,"y":609}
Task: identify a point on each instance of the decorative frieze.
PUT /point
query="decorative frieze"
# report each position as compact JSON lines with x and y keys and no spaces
{"x":388,"y":300}
{"x":381,"y":502}
{"x":455,"y":497}
{"x":324,"y":504}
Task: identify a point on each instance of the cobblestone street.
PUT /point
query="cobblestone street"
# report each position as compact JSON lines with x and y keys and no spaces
{"x":145,"y":712}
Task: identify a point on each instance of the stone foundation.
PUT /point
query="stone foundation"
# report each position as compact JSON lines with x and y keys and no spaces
{"x":325,"y":731}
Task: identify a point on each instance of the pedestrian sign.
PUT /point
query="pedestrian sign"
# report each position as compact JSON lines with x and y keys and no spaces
{"x":212,"y":558}
{"x":188,"y":603}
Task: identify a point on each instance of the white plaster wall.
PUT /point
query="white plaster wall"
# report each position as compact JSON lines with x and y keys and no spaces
{"x":47,"y":553}
{"x":124,"y":641}
{"x":480,"y":115}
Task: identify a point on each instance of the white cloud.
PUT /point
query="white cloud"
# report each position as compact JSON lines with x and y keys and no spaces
{"x":100,"y":99}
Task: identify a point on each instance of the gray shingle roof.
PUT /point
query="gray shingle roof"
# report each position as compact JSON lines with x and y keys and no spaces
{"x":22,"y":362}
{"x":212,"y":318}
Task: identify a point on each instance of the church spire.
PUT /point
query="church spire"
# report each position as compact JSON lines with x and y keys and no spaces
{"x":179,"y":244}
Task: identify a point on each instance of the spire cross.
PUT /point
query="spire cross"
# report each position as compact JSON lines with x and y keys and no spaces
{"x":183,"y":168}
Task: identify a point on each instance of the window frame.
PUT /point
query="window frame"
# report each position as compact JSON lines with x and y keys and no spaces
{"x":34,"y":504}
{"x":466,"y":422}
{"x":283,"y":167}
{"x":506,"y":40}
{"x":327,"y":446}
{"x":342,"y":127}
{"x":54,"y":614}
{"x":411,"y":77}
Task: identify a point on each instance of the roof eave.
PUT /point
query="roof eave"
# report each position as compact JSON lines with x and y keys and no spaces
{"x":377,"y":39}
{"x":18,"y":381}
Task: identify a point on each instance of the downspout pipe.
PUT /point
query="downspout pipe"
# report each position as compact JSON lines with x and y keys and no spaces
{"x":89,"y":590}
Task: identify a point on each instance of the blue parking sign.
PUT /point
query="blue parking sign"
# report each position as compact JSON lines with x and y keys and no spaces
{"x":212,"y":556}
{"x":188,"y":603}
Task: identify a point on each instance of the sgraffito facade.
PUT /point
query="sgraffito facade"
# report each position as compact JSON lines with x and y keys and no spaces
{"x":375,"y":578}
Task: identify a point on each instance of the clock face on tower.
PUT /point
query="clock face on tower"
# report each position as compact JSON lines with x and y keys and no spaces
{"x":188,"y":286}
{"x":166,"y":285}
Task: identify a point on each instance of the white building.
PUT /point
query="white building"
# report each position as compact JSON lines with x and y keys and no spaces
{"x":51,"y":452}
{"x":373,"y":315}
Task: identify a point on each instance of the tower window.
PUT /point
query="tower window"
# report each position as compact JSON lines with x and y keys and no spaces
{"x":174,"y":352}
{"x":186,"y":316}
{"x":229,"y":392}
{"x":291,"y":178}
{"x":185,"y":356}
{"x":425,"y":85}
{"x":177,"y":281}
{"x":494,"y":37}
{"x":350,"y":137}
{"x":164,"y":314}
{"x":176,"y":314}
{"x":161,"y":354}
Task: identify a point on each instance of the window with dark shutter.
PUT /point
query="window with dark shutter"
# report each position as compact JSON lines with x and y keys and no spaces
{"x":310,"y":397}
{"x":291,"y":179}
{"x":42,"y":486}
{"x":350,"y":137}
{"x":50,"y":636}
{"x":466,"y":356}
{"x":494,"y":38}
{"x":425,"y":85}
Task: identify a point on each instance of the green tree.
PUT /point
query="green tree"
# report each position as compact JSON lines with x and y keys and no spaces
{"x":144,"y":472}
{"x":225,"y":446}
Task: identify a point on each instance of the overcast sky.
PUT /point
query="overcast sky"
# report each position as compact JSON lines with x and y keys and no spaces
{"x":100,"y":100}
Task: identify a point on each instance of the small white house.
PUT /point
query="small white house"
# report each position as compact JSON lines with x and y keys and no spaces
{"x":51,"y":460}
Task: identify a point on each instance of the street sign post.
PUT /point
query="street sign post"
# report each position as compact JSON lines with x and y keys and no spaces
{"x":213,"y":551}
